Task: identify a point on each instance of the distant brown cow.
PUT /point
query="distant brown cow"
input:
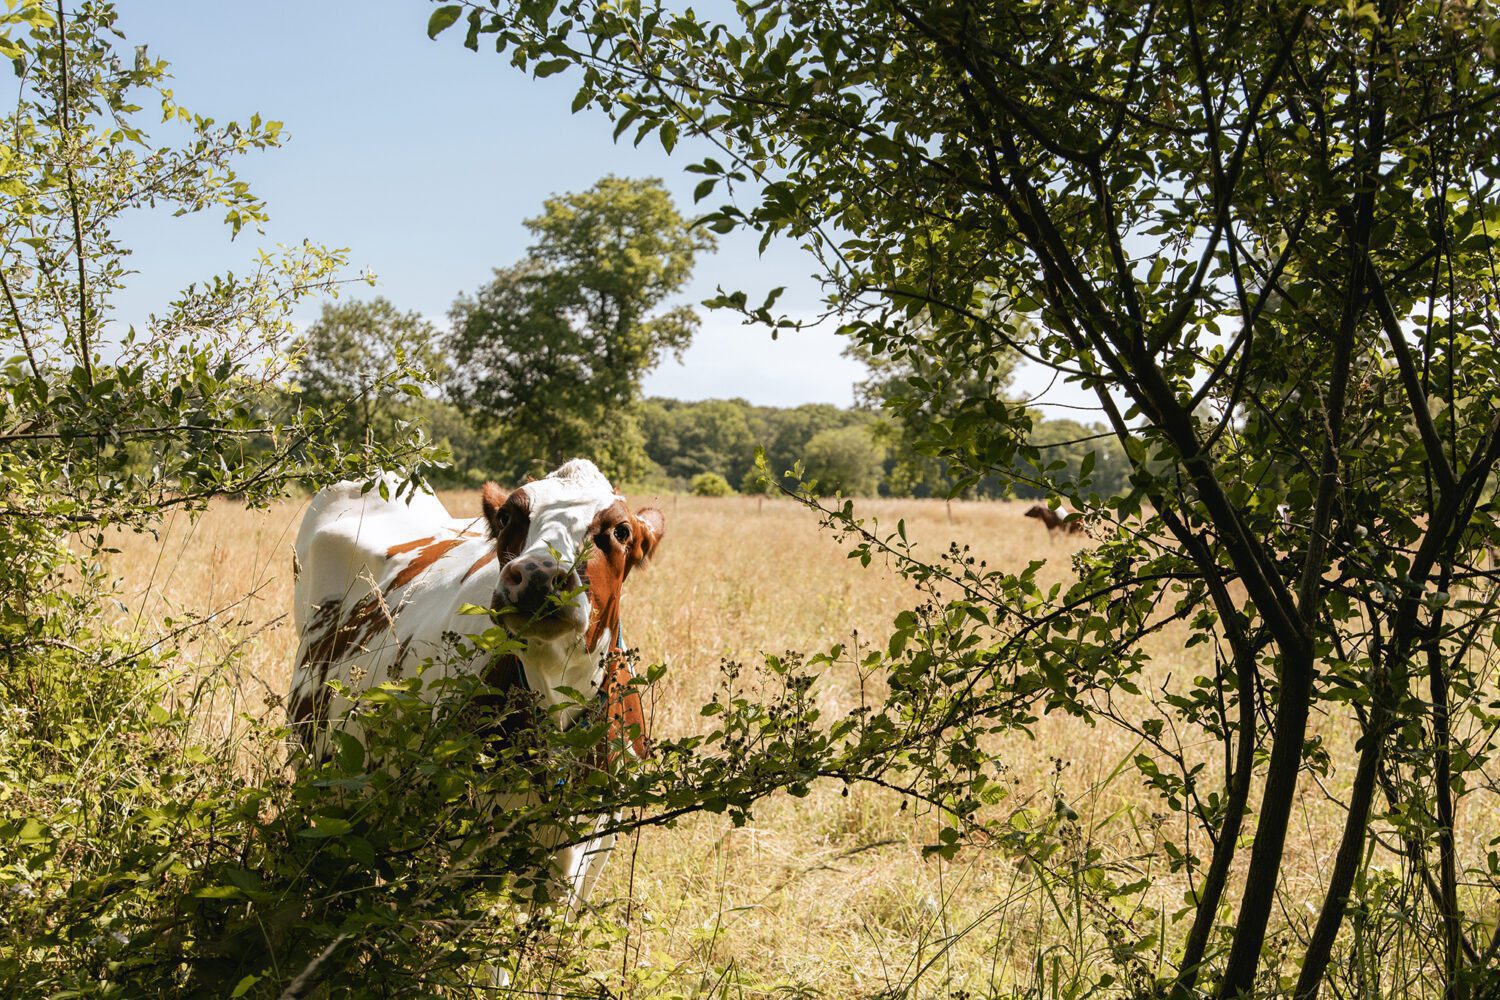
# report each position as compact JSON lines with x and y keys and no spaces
{"x":1068,"y":522}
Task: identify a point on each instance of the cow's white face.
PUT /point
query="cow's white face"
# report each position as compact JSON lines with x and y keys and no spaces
{"x":554,"y":536}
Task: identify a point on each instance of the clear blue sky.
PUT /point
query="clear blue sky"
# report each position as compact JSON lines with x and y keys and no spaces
{"x":424,"y":158}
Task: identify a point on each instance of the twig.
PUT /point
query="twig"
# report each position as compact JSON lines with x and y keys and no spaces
{"x":15,"y":313}
{"x":312,"y":972}
{"x":83,"y":302}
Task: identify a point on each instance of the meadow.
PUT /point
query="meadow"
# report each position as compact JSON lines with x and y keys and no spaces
{"x":829,"y":894}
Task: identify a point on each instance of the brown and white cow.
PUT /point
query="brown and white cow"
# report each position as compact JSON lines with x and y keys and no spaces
{"x":1069,"y":522}
{"x":381,"y":585}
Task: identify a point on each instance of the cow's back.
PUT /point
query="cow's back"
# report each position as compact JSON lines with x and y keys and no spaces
{"x":340,"y":540}
{"x":379,"y":582}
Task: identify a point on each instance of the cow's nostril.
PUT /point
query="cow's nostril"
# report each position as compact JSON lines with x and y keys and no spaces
{"x":512,"y":576}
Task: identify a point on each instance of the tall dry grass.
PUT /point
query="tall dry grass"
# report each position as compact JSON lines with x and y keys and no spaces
{"x":829,"y":893}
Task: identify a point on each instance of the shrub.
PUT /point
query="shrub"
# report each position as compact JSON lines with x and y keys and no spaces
{"x":847,"y":460}
{"x":757,"y":482}
{"x":711,"y":484}
{"x":129,"y":841}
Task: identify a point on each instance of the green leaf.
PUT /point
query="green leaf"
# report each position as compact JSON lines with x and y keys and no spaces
{"x":326,"y":826}
{"x":349,"y":751}
{"x":443,"y":18}
{"x":33,"y":832}
{"x":1158,"y":268}
{"x":217,"y":892}
{"x":551,"y":66}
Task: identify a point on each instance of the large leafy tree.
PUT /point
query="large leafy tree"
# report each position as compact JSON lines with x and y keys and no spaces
{"x":350,"y":351}
{"x":552,"y":350}
{"x":715,"y":435}
{"x":786,"y":434}
{"x":848,"y":460}
{"x":1263,"y":236}
{"x":925,"y":388}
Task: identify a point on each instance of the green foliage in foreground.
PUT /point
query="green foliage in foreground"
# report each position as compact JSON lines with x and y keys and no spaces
{"x":142,"y":861}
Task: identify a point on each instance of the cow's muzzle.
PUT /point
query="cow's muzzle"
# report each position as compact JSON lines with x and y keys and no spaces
{"x":536,"y":594}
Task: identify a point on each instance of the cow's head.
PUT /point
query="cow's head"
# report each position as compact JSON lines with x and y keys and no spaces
{"x":565,"y":544}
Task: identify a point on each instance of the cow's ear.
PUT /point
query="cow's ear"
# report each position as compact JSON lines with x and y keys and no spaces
{"x":653,"y":527}
{"x":492,"y":498}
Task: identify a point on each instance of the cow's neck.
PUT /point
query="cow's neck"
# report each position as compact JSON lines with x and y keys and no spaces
{"x":566,"y":663}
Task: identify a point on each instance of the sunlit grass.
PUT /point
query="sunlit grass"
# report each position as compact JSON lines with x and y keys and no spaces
{"x":829,"y":892}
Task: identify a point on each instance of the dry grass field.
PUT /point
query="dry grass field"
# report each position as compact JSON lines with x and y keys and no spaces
{"x":824,"y":895}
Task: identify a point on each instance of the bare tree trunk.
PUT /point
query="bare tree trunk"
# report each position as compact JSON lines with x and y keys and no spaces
{"x":1443,"y":796}
{"x":1352,"y":843}
{"x":1270,"y":832}
{"x":1229,"y":830}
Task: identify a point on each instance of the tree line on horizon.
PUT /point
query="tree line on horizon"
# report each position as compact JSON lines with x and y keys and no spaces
{"x":546,"y":360}
{"x":704,"y":446}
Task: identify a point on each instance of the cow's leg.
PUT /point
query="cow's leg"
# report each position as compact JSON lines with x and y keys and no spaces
{"x":494,"y":977}
{"x":589,"y":863}
{"x":563,"y":885}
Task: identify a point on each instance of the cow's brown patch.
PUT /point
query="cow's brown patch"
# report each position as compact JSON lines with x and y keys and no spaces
{"x":1071,"y":525}
{"x":308,"y":714}
{"x":480,"y":563}
{"x":622,"y":705}
{"x":425,"y":557}
{"x":509,"y":518}
{"x":398,"y":665}
{"x":621,"y":541}
{"x":415,"y":543}
{"x":334,"y":640}
{"x":321,"y":629}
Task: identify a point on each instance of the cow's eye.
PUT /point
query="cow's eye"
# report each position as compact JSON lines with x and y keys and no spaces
{"x":622,"y":533}
{"x":503,"y":518}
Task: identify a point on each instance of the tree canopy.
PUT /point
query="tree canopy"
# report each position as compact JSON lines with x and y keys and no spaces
{"x":1263,"y":237}
{"x":552,"y":351}
{"x":847,"y":460}
{"x":923,"y":387}
{"x":350,"y":351}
